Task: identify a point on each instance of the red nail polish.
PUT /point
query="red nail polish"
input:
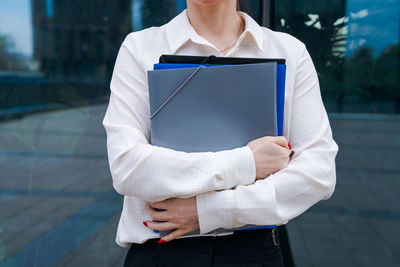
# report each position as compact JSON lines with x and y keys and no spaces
{"x":290,"y":147}
{"x":145,"y":224}
{"x":161,"y":241}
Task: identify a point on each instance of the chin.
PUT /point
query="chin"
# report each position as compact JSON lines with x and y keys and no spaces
{"x":207,"y":2}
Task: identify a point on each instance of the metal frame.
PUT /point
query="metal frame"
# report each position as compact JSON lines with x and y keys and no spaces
{"x":267,"y":13}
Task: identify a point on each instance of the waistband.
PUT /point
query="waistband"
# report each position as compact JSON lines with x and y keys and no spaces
{"x":255,"y":236}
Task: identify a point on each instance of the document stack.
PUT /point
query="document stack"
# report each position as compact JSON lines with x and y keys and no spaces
{"x":202,"y":104}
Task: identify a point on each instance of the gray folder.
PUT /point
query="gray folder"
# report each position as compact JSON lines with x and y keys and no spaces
{"x":218,"y":108}
{"x":212,"y":108}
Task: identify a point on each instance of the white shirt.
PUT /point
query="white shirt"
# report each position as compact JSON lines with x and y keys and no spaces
{"x":227,"y":194}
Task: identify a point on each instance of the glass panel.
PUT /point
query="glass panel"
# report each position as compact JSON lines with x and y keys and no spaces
{"x":57,"y":203}
{"x":354,"y":45}
{"x":56,"y":195}
{"x":56,"y":60}
{"x":355,"y":48}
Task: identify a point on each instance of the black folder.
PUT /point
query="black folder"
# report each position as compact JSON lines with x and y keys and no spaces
{"x":216,"y":60}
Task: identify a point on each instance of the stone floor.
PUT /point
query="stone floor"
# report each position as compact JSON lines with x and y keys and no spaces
{"x":58,"y":206}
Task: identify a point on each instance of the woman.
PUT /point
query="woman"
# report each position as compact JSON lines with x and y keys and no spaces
{"x":166,"y":189}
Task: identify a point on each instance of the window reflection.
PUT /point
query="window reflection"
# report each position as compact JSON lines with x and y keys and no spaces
{"x":57,"y":203}
{"x":355,"y":46}
{"x":16,"y":48}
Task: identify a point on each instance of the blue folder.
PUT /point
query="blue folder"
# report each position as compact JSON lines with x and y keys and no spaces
{"x":280,"y":85}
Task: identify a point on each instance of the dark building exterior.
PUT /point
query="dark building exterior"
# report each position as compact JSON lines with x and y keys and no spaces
{"x":75,"y":44}
{"x":79,"y":38}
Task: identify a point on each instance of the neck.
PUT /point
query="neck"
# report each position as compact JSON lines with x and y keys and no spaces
{"x":218,"y":23}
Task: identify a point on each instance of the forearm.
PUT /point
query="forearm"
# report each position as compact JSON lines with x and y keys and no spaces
{"x":274,"y":200}
{"x":154,"y":173}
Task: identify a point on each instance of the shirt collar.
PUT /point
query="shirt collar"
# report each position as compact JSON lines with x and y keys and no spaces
{"x":179,"y":31}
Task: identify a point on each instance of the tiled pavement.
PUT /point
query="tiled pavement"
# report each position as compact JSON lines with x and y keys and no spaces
{"x":58,"y":207}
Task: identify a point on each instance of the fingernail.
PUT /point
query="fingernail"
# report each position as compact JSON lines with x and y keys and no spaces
{"x":161,"y":241}
{"x":156,"y":231}
{"x":145,"y":224}
{"x":290,"y":147}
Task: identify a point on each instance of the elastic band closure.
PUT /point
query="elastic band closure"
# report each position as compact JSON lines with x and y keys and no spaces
{"x":177,"y":90}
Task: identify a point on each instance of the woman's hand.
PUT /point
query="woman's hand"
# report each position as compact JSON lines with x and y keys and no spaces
{"x":271,"y":154}
{"x":179,"y":214}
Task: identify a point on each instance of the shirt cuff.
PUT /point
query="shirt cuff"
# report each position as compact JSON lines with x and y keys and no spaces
{"x":239,"y":167}
{"x":215,"y":210}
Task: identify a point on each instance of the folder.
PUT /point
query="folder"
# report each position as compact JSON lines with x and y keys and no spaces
{"x":216,"y":60}
{"x":220,"y":108}
{"x":277,"y":71}
{"x":183,"y":61}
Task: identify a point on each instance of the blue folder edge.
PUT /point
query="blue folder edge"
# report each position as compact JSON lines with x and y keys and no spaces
{"x":280,"y":83}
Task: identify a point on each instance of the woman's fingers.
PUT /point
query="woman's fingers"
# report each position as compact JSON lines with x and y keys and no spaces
{"x":162,"y":204}
{"x":173,"y":235}
{"x":271,"y":154}
{"x":177,"y":214}
{"x":280,"y":140}
{"x":160,"y":226}
{"x":157,"y":215}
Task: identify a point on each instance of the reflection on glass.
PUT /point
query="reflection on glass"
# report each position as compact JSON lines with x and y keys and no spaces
{"x":57,"y":203}
{"x":355,"y":47}
{"x":56,"y":59}
{"x":373,"y":24}
{"x":56,"y":198}
{"x":16,"y":47}
{"x":372,"y":53}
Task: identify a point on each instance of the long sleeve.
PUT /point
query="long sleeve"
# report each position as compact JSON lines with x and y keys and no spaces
{"x":309,"y":177}
{"x":155,"y":173}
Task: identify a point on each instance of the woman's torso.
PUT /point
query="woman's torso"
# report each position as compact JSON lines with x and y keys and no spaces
{"x":178,"y":37}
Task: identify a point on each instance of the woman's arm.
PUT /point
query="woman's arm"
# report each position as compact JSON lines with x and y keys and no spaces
{"x":309,"y":177}
{"x":154,"y":173}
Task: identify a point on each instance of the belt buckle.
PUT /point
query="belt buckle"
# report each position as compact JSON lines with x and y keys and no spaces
{"x":275,"y":236}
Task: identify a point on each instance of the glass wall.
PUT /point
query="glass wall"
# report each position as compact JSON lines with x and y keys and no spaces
{"x":355,"y":47}
{"x":57,"y":203}
{"x":56,"y":197}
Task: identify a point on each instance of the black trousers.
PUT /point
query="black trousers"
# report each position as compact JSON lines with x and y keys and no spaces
{"x":243,"y":248}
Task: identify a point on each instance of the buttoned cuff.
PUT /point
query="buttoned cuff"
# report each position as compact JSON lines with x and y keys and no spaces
{"x":215,"y":210}
{"x":238,"y":166}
